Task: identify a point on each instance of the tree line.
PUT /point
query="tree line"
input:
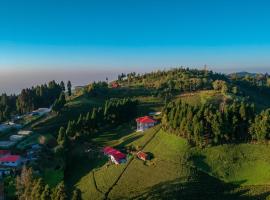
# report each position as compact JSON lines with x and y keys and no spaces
{"x":208,"y":124}
{"x":114,"y":112}
{"x":30,"y":99}
{"x":30,"y":187}
{"x":7,"y":106}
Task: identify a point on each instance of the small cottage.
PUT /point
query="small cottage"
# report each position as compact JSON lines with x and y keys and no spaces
{"x":144,"y":123}
{"x":116,"y":156}
{"x":143,"y":156}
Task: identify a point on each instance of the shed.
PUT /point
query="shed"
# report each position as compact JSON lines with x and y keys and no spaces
{"x":143,"y":156}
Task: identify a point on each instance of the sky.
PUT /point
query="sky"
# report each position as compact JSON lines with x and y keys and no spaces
{"x":86,"y":40}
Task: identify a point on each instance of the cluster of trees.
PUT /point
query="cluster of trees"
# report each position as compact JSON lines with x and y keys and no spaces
{"x":252,"y":82}
{"x":39,"y":96}
{"x":174,"y":80}
{"x":260,"y":127}
{"x":30,"y":99}
{"x":114,"y":112}
{"x":94,"y":89}
{"x":30,"y":188}
{"x":260,"y":80}
{"x":59,"y":103}
{"x":7,"y":106}
{"x":205,"y":123}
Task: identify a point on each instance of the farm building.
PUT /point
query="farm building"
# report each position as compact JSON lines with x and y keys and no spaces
{"x":143,"y":156}
{"x":116,"y":156}
{"x":11,"y":160}
{"x":143,"y":123}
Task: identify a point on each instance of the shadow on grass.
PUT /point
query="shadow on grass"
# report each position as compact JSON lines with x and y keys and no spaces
{"x":114,"y":134}
{"x":81,"y":165}
{"x":202,"y":187}
{"x":129,"y":140}
{"x":199,"y":161}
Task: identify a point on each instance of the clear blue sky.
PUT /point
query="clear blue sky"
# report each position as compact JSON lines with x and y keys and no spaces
{"x":134,"y":34}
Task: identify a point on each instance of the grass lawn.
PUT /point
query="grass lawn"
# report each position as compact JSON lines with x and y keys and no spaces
{"x":32,"y":139}
{"x":244,"y":164}
{"x":167,"y":165}
{"x":201,"y":97}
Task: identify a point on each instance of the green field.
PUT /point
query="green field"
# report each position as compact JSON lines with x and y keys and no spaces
{"x":244,"y":164}
{"x":204,"y":96}
{"x":176,"y":171}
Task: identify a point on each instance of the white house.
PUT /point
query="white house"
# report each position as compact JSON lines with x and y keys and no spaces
{"x":11,"y":161}
{"x":144,"y":123}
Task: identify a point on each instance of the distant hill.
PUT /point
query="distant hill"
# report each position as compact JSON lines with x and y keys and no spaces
{"x":243,"y":74}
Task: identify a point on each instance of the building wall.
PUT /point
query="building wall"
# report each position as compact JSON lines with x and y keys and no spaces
{"x":11,"y":164}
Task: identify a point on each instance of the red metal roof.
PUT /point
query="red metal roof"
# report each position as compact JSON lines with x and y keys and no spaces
{"x":10,"y":158}
{"x":4,"y":152}
{"x":142,"y":155}
{"x":146,"y":119}
{"x":113,"y":152}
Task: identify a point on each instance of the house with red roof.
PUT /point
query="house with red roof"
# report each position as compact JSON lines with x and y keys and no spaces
{"x":11,"y":160}
{"x":116,"y":156}
{"x":115,"y":85}
{"x":144,"y":123}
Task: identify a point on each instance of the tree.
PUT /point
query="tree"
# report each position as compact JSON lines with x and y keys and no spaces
{"x":69,"y":88}
{"x":37,"y":189}
{"x":46,"y":194}
{"x":61,"y":135}
{"x":260,"y":128}
{"x":59,"y":193}
{"x":59,"y":103}
{"x":62,"y":84}
{"x":24,"y":183}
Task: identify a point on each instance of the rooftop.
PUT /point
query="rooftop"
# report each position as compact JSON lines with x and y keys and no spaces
{"x":146,"y":119}
{"x":10,"y":158}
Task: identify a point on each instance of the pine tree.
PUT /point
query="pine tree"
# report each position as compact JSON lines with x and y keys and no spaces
{"x":37,"y":189}
{"x":59,"y":193}
{"x":24,"y":184}
{"x":62,"y":84}
{"x":69,"y":88}
{"x":46,"y":194}
{"x":61,"y":135}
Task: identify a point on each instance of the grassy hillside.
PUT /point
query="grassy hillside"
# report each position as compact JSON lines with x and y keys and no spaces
{"x":244,"y":164}
{"x":171,"y":174}
{"x":167,"y":165}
